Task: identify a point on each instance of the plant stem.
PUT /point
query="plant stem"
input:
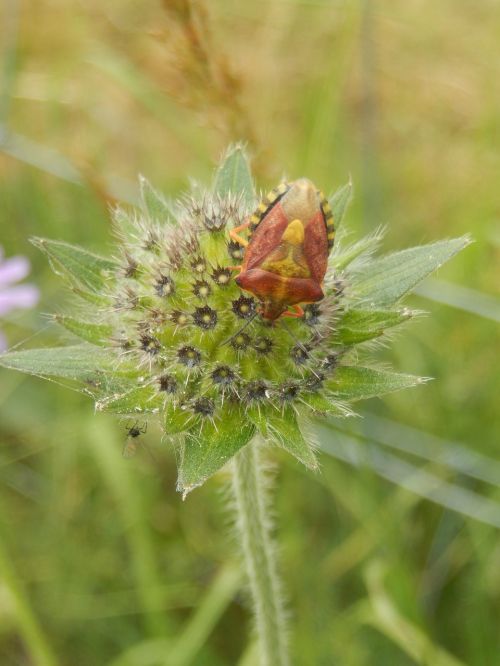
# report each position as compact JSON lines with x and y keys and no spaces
{"x":253,"y":524}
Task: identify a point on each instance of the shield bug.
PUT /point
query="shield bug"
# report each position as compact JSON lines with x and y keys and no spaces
{"x":286,"y":253}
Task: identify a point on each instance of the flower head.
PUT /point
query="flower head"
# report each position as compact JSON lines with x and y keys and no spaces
{"x":172,"y":334}
{"x":14,"y":296}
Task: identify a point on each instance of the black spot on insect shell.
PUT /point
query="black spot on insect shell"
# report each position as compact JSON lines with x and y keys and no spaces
{"x":236,"y":251}
{"x":150,"y":344}
{"x":243,"y":307}
{"x":205,"y":317}
{"x":202,"y":289}
{"x":299,"y":354}
{"x":240,"y":341}
{"x":256,"y":390}
{"x":263,"y":345}
{"x":189,"y":356}
{"x":164,"y":286}
{"x":168,"y":383}
{"x":221,"y":276}
{"x":223,"y":375}
{"x":312,"y":313}
{"x":204,"y":407}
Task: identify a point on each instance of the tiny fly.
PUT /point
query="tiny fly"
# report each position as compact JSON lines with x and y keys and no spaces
{"x":133,"y":433}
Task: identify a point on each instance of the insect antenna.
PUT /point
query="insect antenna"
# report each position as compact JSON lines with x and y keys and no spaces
{"x":247,"y":323}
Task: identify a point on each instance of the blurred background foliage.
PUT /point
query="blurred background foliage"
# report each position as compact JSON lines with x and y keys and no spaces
{"x":391,"y":554}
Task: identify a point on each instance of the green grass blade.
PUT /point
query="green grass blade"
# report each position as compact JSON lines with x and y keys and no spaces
{"x":51,"y":162}
{"x":27,"y":623}
{"x":194,"y":635}
{"x":462,"y":298}
{"x":386,"y":617}
{"x":348,"y":448}
{"x":118,"y":474}
{"x":453,"y":456}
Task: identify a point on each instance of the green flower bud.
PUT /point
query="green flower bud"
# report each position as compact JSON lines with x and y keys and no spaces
{"x":171,"y":335}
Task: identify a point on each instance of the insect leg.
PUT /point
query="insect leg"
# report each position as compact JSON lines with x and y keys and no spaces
{"x":299,"y":312}
{"x":234,"y":233}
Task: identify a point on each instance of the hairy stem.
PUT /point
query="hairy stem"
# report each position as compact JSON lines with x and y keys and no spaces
{"x":253,"y":524}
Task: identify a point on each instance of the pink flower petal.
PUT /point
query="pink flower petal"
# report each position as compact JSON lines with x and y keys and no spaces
{"x":13,"y":270}
{"x":22,"y":296}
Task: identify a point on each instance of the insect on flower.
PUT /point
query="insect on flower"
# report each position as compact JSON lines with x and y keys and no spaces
{"x":286,"y":254}
{"x":133,"y":432}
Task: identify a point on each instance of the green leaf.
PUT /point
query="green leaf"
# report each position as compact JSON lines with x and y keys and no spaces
{"x":339,"y":203}
{"x":154,"y":203}
{"x":383,"y":281}
{"x":359,"y":325}
{"x":281,"y":428}
{"x":356,"y":383}
{"x":364,"y":247}
{"x":234,"y":176}
{"x":324,"y":404}
{"x":176,"y":419}
{"x":207,"y":450}
{"x":83,"y":268}
{"x":97,"y":334}
{"x":137,"y":400}
{"x":97,"y":369}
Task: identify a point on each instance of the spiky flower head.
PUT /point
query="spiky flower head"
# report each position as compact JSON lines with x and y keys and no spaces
{"x":170,"y":335}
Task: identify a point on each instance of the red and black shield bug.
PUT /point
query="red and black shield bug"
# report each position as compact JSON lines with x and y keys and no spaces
{"x":286,"y":254}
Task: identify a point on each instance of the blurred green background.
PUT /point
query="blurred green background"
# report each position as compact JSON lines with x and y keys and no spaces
{"x":391,"y":555}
